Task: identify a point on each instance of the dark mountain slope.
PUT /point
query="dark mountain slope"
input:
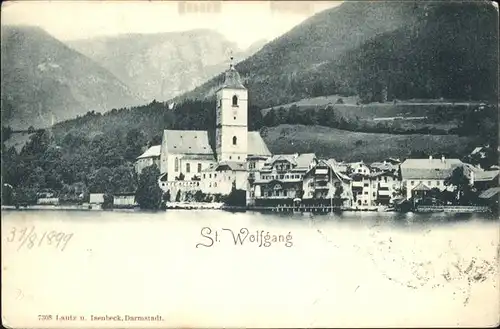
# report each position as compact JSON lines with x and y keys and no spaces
{"x":439,"y":49}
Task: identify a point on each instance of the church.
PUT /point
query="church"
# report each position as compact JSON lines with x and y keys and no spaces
{"x":188,"y":161}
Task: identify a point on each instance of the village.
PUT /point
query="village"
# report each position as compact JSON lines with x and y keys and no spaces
{"x":232,"y":168}
{"x":193,"y":171}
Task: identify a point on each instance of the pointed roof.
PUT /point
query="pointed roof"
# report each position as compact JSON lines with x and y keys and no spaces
{"x":256,"y":145}
{"x":421,"y":187}
{"x":232,"y":79}
{"x":153,"y":151}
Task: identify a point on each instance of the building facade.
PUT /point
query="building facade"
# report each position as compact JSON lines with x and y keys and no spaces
{"x":427,"y":173}
{"x":197,"y":161}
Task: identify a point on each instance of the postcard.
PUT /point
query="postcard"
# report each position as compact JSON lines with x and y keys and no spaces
{"x":250,"y":164}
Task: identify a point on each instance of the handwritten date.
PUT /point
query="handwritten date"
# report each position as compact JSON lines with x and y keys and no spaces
{"x":29,"y":238}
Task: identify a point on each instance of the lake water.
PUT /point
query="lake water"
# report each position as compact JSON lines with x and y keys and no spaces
{"x":353,"y":269}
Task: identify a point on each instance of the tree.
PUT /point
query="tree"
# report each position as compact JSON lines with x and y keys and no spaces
{"x":460,"y":181}
{"x":338,"y":195}
{"x":149,"y":194}
{"x":166,"y":196}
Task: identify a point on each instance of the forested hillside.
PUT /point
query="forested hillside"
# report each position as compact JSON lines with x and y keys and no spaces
{"x":378,"y":50}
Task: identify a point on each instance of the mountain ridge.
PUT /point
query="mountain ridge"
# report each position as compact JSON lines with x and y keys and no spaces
{"x":45,"y":81}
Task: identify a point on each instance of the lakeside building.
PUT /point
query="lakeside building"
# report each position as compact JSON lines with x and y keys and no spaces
{"x":427,"y":173}
{"x":281,"y":178}
{"x":124,"y":200}
{"x":325,"y":184}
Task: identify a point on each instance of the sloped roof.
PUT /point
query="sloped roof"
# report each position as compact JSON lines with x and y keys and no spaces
{"x":187,"y":141}
{"x":206,"y":157}
{"x":256,"y":145}
{"x":153,"y":151}
{"x":383,"y":166}
{"x":489,"y":193}
{"x":428,"y":168}
{"x":421,"y":187}
{"x":484,"y":176}
{"x":234,"y":166}
{"x":304,"y":159}
{"x":232,"y":79}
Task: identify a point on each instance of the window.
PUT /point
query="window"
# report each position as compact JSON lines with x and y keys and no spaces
{"x":412,"y":183}
{"x":220,"y":102}
{"x":188,"y":167}
{"x":209,"y":175}
{"x":374,"y":194}
{"x":203,"y":175}
{"x":429,"y":183}
{"x":438,"y":183}
{"x":230,"y":157}
{"x":238,"y":157}
{"x":234,"y":140}
{"x":366,"y":184}
{"x":176,"y":164}
{"x":199,"y":167}
{"x":285,"y":193}
{"x":234,"y":118}
{"x":215,"y":184}
{"x":215,"y":175}
{"x":235,"y":100}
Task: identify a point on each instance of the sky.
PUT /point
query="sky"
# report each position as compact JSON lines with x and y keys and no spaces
{"x":243,"y":22}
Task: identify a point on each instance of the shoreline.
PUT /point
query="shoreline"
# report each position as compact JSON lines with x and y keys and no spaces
{"x":292,"y":210}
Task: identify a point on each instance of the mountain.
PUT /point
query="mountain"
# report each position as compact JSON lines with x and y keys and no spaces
{"x":405,"y":49}
{"x":44,"y":81}
{"x":162,"y":65}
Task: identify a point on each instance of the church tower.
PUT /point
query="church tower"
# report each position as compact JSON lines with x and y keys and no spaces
{"x":232,"y":118}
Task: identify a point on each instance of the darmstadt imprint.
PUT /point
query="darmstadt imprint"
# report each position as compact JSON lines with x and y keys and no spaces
{"x":351,"y":146}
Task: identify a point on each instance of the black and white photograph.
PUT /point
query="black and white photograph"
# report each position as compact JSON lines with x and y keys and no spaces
{"x":250,"y":164}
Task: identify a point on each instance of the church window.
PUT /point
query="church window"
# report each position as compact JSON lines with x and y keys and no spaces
{"x":235,"y":100}
{"x":234,"y":140}
{"x":176,"y":164}
{"x":188,"y":167}
{"x":199,"y":167}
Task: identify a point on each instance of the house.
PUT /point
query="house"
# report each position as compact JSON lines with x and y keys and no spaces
{"x":150,"y":157}
{"x":280,"y":179}
{"x":483,"y":180}
{"x":96,"y":198}
{"x":430,"y":172}
{"x":359,"y":168}
{"x":384,"y":167}
{"x":199,"y":160}
{"x":47,"y":201}
{"x":341,"y":167}
{"x":223,"y":177}
{"x":324,"y":185}
{"x":491,"y":198}
{"x":124,"y":200}
{"x":387,"y":185}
